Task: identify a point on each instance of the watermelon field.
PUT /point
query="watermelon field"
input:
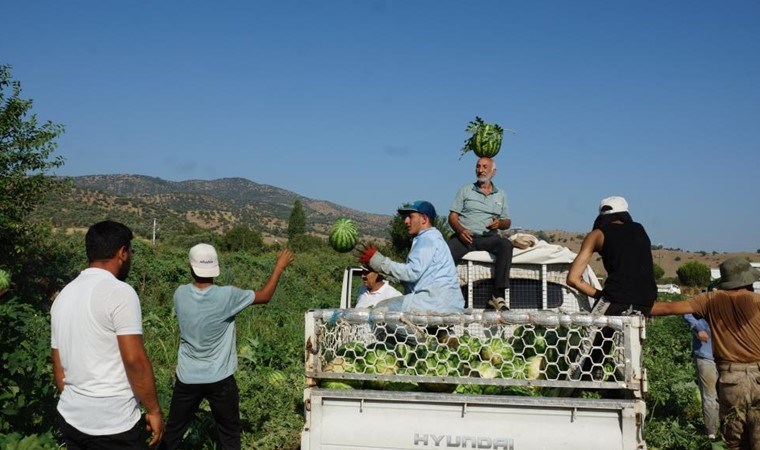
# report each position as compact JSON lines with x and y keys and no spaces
{"x":270,"y":344}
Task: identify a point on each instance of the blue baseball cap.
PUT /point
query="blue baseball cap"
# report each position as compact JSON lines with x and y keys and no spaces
{"x":420,"y":206}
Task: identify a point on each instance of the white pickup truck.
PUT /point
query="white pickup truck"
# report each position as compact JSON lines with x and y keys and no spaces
{"x":524,"y":379}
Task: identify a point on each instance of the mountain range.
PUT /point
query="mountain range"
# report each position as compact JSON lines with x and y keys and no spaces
{"x":215,"y":205}
{"x":149,"y":204}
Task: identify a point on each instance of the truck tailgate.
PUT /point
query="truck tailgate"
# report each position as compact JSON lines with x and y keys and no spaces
{"x":367,"y":419}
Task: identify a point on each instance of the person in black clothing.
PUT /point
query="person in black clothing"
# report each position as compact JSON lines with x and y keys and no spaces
{"x":627,"y":256}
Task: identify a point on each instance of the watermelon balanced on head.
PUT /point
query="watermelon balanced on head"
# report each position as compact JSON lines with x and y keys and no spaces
{"x":344,"y":235}
{"x":485,"y":139}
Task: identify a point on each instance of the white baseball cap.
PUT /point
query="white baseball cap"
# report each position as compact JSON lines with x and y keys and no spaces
{"x":612,"y":205}
{"x":204,"y":261}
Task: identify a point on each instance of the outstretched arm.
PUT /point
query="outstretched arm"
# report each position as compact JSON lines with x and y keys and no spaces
{"x":671,"y":308}
{"x":591,"y":243}
{"x":284,"y":258}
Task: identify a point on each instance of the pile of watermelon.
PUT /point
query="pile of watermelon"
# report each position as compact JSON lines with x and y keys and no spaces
{"x":531,"y":353}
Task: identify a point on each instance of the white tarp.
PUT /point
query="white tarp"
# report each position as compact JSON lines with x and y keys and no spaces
{"x":541,"y":253}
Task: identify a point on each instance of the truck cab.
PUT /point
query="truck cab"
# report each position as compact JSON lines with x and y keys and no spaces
{"x":537,"y":280}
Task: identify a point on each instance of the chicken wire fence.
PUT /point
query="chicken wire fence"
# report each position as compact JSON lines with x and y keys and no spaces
{"x":522,"y":353}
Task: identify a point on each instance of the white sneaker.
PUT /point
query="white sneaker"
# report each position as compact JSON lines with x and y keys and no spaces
{"x":498,"y":303}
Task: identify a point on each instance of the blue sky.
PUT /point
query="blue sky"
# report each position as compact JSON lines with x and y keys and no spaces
{"x":364,"y":103}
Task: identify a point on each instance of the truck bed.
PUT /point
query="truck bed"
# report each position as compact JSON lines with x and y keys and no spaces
{"x":478,"y":379}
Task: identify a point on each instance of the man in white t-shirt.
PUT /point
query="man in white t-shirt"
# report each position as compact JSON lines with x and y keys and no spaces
{"x":100,"y":365}
{"x":374,"y":289}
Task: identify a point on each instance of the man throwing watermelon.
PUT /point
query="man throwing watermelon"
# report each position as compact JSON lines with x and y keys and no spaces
{"x":429,"y":274}
{"x":477,"y":214}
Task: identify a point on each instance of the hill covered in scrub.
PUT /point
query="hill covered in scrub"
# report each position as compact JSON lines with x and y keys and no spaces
{"x":177,"y":206}
{"x":185,"y":207}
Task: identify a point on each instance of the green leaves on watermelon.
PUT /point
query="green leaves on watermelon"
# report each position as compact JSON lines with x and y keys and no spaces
{"x":5,"y":280}
{"x":485,"y":139}
{"x":344,"y":235}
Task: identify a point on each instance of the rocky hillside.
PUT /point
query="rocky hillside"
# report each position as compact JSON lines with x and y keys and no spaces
{"x":215,"y":205}
{"x":218,"y":205}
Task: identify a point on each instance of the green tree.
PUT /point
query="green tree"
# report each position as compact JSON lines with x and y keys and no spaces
{"x":694,"y":273}
{"x":401,"y":242}
{"x":242,"y":238}
{"x":26,"y":148}
{"x":297,"y":220}
{"x":659,"y":272}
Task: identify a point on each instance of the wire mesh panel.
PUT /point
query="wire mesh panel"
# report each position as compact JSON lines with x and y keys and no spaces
{"x":532,"y":286}
{"x":522,"y":353}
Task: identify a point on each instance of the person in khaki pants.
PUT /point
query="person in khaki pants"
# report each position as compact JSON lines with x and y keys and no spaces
{"x":733,"y":314}
{"x":707,"y":372}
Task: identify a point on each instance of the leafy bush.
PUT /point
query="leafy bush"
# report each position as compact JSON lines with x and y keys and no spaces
{"x":694,"y":273}
{"x":674,"y":414}
{"x":659,"y":272}
{"x":16,"y":441}
{"x":27,"y":400}
{"x":242,"y":238}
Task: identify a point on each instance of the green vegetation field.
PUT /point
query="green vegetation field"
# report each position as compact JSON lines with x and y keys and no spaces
{"x":270,"y":347}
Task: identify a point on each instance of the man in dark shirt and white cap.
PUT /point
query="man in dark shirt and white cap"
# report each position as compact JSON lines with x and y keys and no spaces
{"x":627,"y":256}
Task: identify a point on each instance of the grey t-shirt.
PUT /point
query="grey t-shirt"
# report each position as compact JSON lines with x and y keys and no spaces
{"x":207,"y":351}
{"x":476,"y":209}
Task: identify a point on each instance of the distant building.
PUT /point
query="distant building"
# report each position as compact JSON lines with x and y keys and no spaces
{"x":715,"y":274}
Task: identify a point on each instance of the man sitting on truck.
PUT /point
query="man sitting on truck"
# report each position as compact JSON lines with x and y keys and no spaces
{"x":429,"y":274}
{"x":477,"y":214}
{"x":732,"y":313}
{"x":375,"y":289}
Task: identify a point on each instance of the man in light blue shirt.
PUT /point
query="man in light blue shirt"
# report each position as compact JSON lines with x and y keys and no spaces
{"x":477,"y":213}
{"x":707,"y":372}
{"x":429,"y":274}
{"x":207,"y":357}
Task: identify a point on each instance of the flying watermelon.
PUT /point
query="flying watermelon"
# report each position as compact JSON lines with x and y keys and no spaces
{"x":344,"y":235}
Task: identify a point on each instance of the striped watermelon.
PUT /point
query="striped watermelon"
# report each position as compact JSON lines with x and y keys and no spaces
{"x":343,"y":236}
{"x":5,"y":280}
{"x":485,"y":140}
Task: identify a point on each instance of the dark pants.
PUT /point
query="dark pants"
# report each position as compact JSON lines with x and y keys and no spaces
{"x":500,"y":247}
{"x":224,"y":400}
{"x":74,"y":439}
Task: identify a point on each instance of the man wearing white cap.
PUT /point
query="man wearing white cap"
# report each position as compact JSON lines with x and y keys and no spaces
{"x":627,"y":256}
{"x":207,"y":357}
